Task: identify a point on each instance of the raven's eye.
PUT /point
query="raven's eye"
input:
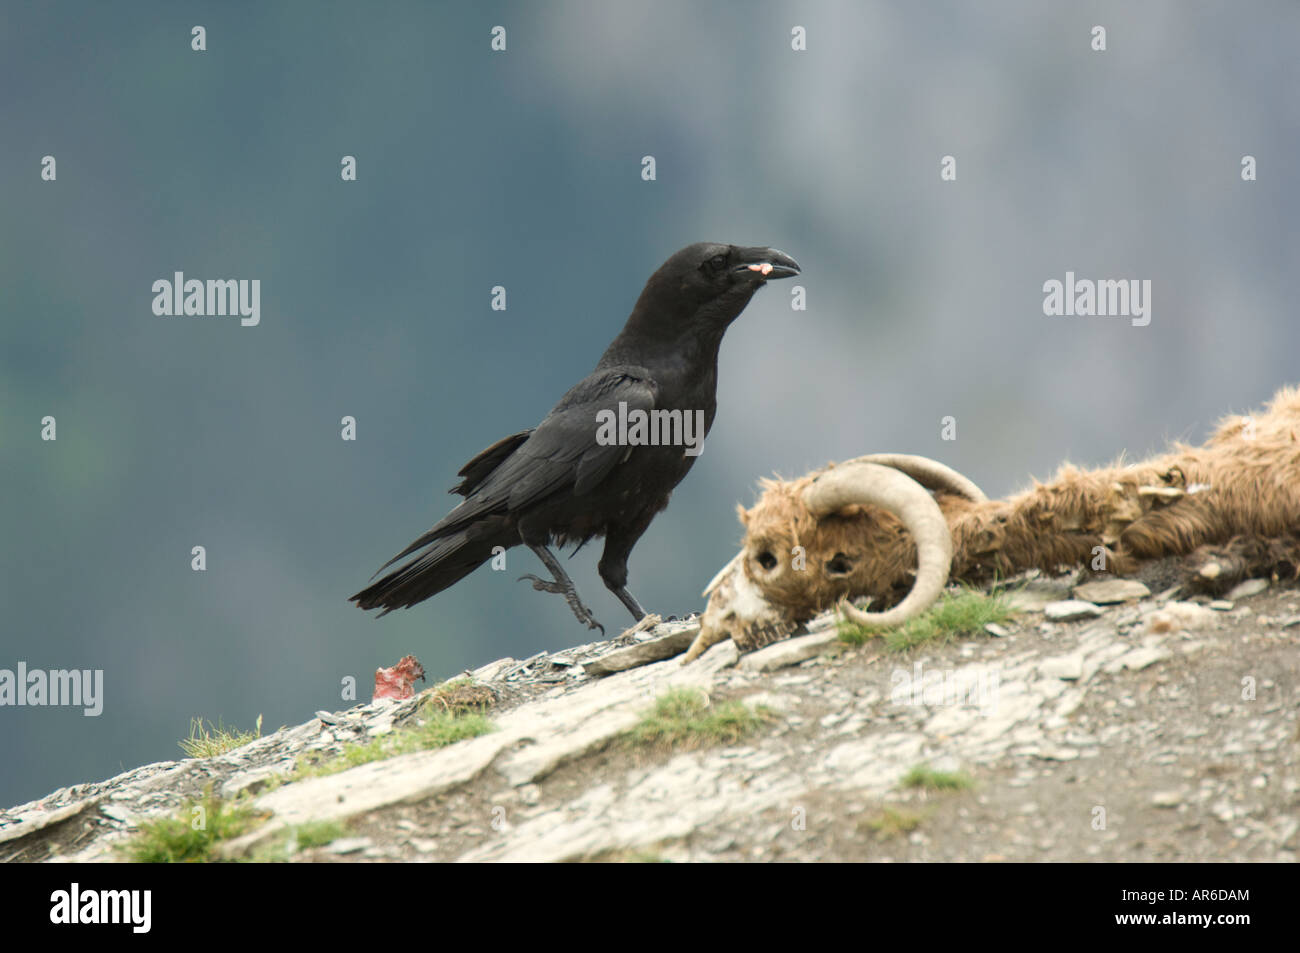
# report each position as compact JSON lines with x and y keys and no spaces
{"x":718,"y":262}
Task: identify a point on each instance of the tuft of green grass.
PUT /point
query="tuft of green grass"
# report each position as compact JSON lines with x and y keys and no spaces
{"x":892,"y":822}
{"x":967,"y":611}
{"x":438,"y":731}
{"x":684,"y":720}
{"x":191,"y":835}
{"x":288,"y":842}
{"x":216,"y":739}
{"x":316,"y":833}
{"x":925,"y":777}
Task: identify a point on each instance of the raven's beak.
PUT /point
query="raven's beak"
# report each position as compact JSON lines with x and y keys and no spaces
{"x":767,"y":264}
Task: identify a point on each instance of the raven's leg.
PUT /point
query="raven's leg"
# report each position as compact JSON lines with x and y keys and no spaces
{"x":613,"y":562}
{"x":562,"y":585}
{"x":629,"y":600}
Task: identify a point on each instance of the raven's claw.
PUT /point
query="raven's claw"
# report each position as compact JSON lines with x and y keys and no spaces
{"x":566,"y":588}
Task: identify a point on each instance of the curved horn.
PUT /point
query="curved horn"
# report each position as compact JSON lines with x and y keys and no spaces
{"x":931,"y":474}
{"x":873,"y":484}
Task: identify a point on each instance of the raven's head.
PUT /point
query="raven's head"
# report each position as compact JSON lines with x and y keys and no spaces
{"x":709,"y":271}
{"x":696,"y":294}
{"x":716,"y":281}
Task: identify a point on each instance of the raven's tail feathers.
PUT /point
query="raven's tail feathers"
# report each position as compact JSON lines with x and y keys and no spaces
{"x":445,"y":563}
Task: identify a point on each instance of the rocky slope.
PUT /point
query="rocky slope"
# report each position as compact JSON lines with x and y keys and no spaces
{"x":1145,"y":730}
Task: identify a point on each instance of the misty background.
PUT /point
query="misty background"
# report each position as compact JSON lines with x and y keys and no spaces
{"x":523,"y":168}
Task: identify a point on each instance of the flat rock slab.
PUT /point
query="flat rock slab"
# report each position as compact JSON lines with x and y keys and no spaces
{"x":1110,"y":591}
{"x":42,"y":821}
{"x":671,"y":638}
{"x":790,"y":652}
{"x":1034,"y":600}
{"x":1138,"y":659}
{"x":1037,"y":593}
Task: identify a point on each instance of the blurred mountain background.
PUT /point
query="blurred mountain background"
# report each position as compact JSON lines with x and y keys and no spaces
{"x":523,"y":168}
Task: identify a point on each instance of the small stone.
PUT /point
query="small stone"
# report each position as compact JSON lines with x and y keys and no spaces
{"x":1223,"y":811}
{"x":1068,"y":668}
{"x":1110,"y":591}
{"x":1070,"y":610}
{"x":1058,"y":754}
{"x":997,"y":631}
{"x":1166,"y":799}
{"x":1221,"y":605}
{"x":1243,"y":590}
{"x":1179,"y":615}
{"x":349,"y":845}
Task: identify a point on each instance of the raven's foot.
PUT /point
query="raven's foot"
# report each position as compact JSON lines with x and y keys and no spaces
{"x":563,"y":585}
{"x":570,"y":596}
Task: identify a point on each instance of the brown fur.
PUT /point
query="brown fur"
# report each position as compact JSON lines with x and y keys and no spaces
{"x":1241,"y":490}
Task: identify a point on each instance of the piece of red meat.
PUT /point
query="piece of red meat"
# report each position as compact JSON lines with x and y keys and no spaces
{"x":398,"y":681}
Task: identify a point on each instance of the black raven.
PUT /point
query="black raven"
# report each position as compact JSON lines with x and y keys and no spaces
{"x":576,"y":476}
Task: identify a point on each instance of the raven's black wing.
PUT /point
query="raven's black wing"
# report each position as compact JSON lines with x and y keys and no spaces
{"x":560,"y":455}
{"x":485,"y":462}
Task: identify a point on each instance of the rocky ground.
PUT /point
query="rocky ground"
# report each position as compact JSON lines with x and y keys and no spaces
{"x":1149,"y":729}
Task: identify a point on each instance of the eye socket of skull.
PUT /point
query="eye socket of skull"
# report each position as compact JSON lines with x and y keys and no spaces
{"x":839,"y":565}
{"x":765,"y":559}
